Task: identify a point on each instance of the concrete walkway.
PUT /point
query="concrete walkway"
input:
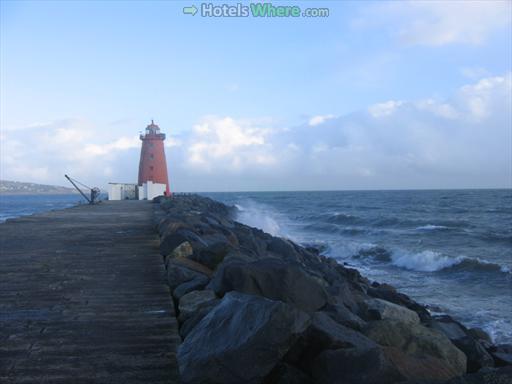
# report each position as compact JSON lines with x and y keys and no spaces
{"x":83,"y":298}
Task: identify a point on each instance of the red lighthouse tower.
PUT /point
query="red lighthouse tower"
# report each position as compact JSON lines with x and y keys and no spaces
{"x":152,"y":166}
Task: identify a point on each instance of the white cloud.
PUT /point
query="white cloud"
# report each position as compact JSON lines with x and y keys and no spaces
{"x":384,"y":109}
{"x":320,"y":119}
{"x":440,"y":22}
{"x":462,"y":141}
{"x":227,"y":143}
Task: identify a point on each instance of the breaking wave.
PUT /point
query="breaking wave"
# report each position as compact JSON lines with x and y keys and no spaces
{"x":432,"y":227}
{"x":430,"y":261}
{"x":255,"y":215}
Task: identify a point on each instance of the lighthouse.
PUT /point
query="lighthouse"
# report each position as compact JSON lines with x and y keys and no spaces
{"x":152,"y":166}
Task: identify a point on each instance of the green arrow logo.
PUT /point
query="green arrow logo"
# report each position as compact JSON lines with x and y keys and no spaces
{"x":190,"y":10}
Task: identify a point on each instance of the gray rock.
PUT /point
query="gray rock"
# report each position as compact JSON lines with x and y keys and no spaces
{"x":324,"y":333}
{"x":182,"y":250}
{"x":177,"y":274}
{"x":214,"y":253}
{"x":476,"y":354}
{"x":451,"y":328}
{"x":344,"y":316}
{"x":354,"y":366}
{"x":502,"y":354}
{"x":287,"y":374}
{"x":417,"y":340}
{"x":169,"y":242}
{"x":240,"y":340}
{"x":384,"y":310}
{"x":480,"y":335}
{"x":271,"y":278}
{"x":485,"y":376}
{"x":189,"y":323}
{"x":192,"y":301}
{"x":461,"y":337}
{"x":195,"y":284}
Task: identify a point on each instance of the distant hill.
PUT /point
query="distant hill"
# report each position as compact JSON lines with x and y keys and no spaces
{"x":20,"y":188}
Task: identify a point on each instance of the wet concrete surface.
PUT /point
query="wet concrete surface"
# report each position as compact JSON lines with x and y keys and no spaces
{"x":84,"y":299}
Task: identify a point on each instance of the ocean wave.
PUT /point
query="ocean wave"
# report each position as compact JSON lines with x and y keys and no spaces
{"x":376,"y":252}
{"x":260,"y":217}
{"x":425,"y":261}
{"x":431,"y":227}
{"x":429,"y":261}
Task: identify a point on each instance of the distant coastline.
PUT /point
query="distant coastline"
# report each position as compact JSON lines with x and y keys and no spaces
{"x":22,"y":188}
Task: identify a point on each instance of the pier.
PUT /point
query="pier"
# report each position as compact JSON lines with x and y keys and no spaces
{"x":84,"y":298}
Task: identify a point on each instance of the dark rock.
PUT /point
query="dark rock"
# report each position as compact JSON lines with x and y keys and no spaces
{"x":244,"y":335}
{"x":344,"y":316}
{"x":354,"y":366}
{"x":418,"y":341}
{"x":419,"y":367}
{"x":340,"y":293}
{"x":287,"y":374}
{"x":193,"y":301}
{"x":378,"y":309}
{"x":178,"y":274}
{"x":485,"y":376}
{"x":502,"y":354}
{"x":190,"y":264}
{"x":447,"y":325}
{"x":214,"y":253}
{"x":190,"y":322}
{"x":400,"y":299}
{"x":476,"y":354}
{"x":169,"y":242}
{"x":480,"y":335}
{"x":271,"y":278}
{"x":284,"y":249}
{"x":196,"y":283}
{"x":324,"y":333}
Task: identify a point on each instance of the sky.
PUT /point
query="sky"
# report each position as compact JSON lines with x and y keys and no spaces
{"x":378,"y":95}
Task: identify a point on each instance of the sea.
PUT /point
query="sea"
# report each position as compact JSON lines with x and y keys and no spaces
{"x":448,"y":249}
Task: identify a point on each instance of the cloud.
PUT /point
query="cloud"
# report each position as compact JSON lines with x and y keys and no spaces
{"x":437,"y":23}
{"x":227,"y":143}
{"x":384,"y":109}
{"x":462,"y":141}
{"x":320,"y":119}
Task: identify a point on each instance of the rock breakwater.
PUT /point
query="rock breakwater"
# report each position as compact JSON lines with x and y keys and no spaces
{"x":254,"y":308}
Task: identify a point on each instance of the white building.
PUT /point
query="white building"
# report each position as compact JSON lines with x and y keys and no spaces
{"x":122,"y":191}
{"x":150,"y":190}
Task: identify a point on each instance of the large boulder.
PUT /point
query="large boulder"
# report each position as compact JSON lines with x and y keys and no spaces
{"x":285,"y":373}
{"x":178,"y":274}
{"x":343,"y":315}
{"x":502,"y":354}
{"x":418,"y":341}
{"x":193,"y":301}
{"x":378,"y":309}
{"x":388,"y":293}
{"x":354,"y":366}
{"x":324,"y":333}
{"x":485,"y":376}
{"x":476,"y":354}
{"x":419,"y":366}
{"x":195,"y":284}
{"x":462,"y":338}
{"x":169,"y":242}
{"x":271,"y":278}
{"x":240,"y":340}
{"x":217,"y":248}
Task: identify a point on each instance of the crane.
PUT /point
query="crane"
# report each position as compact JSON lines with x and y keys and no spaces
{"x":95,"y":192}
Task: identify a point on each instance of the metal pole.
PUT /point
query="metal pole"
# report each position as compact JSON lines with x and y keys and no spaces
{"x":78,"y":189}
